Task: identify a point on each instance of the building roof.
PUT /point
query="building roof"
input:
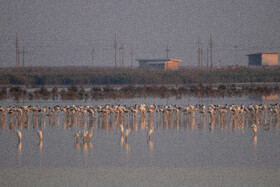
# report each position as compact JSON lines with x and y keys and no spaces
{"x":262,"y":53}
{"x":158,"y":60}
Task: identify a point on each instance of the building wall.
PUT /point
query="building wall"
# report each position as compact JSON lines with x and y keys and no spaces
{"x":159,"y":64}
{"x":269,"y":59}
{"x":156,"y":66}
{"x":171,"y":65}
{"x":143,"y":65}
{"x":146,"y":65}
{"x":255,"y":59}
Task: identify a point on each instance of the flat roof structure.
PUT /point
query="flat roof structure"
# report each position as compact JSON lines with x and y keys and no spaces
{"x":263,"y":59}
{"x":164,"y":64}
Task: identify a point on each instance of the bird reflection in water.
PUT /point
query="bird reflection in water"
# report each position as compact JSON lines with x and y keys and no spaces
{"x":126,"y":146}
{"x":40,"y":144}
{"x":2,"y":121}
{"x":122,"y":140}
{"x":242,"y":127}
{"x":84,"y":146}
{"x":255,"y":142}
{"x":77,"y":146}
{"x":19,"y":148}
{"x":90,"y":146}
{"x":151,"y":146}
{"x":211,"y":126}
{"x":135,"y":125}
{"x":127,"y":149}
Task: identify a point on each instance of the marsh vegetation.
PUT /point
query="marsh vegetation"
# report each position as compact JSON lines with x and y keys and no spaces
{"x":101,"y":83}
{"x":39,"y":76}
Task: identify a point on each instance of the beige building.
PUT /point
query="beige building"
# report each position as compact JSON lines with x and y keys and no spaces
{"x":263,"y":59}
{"x":163,"y":64}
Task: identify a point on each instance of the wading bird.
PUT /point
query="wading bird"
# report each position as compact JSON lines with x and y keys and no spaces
{"x":84,"y":135}
{"x":76,"y":136}
{"x":19,"y":135}
{"x":89,"y":135}
{"x":254,"y":128}
{"x":126,"y":133}
{"x":121,"y":128}
{"x":149,"y":132}
{"x":40,"y":135}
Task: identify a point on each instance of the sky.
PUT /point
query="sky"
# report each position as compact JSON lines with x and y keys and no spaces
{"x":65,"y":32}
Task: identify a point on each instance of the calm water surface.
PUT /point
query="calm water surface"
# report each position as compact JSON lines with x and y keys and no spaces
{"x":178,"y":141}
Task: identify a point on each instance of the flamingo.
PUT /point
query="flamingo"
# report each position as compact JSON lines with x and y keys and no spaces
{"x":76,"y":136}
{"x":121,"y":128}
{"x":19,"y":135}
{"x":84,"y":135}
{"x":254,"y":128}
{"x":40,"y":135}
{"x":126,"y":133}
{"x":149,"y":132}
{"x":89,"y":135}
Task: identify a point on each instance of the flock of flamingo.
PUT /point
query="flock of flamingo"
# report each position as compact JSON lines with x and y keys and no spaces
{"x":253,"y":115}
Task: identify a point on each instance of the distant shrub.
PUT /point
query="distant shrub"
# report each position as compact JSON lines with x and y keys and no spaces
{"x":221,"y":87}
{"x":54,"y":91}
{"x":108,"y":88}
{"x":128,"y":88}
{"x":3,"y":93}
{"x":44,"y":92}
{"x":96,"y":89}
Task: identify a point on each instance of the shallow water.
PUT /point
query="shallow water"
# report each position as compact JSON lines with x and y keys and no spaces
{"x":144,"y":176}
{"x":181,"y":146}
{"x":182,"y":100}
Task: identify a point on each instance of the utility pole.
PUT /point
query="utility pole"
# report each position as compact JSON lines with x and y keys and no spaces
{"x":167,"y":57}
{"x":122,"y":52}
{"x":211,"y":51}
{"x":115,"y":47}
{"x":235,"y":55}
{"x":199,"y":51}
{"x":167,"y":51}
{"x":201,"y":58}
{"x":207,"y":58}
{"x":23,"y":57}
{"x":92,"y":56}
{"x":131,"y":56}
{"x":17,"y":51}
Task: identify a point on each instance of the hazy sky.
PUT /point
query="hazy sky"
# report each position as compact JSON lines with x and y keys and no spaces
{"x":63,"y":32}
